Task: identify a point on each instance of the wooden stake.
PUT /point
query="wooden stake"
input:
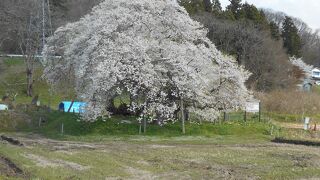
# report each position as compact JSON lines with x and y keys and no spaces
{"x":245,"y":116}
{"x":62,"y":128}
{"x":40,"y":119}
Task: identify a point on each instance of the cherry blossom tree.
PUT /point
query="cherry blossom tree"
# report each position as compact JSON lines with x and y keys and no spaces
{"x":306,"y":68}
{"x":150,"y":49}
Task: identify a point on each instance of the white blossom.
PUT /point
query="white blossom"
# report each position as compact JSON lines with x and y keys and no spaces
{"x":306,"y":68}
{"x":151,"y":49}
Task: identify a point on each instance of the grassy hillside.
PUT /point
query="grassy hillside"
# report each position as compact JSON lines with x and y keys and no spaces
{"x":13,"y":81}
{"x":49,"y":124}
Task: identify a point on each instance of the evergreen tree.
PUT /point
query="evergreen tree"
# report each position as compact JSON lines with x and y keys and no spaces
{"x":249,"y":12}
{"x":216,"y":7}
{"x":252,"y":13}
{"x":227,"y":14}
{"x":58,"y":3}
{"x":207,"y":5}
{"x":275,"y":31}
{"x":291,"y":38}
{"x":234,"y":7}
{"x":192,"y":6}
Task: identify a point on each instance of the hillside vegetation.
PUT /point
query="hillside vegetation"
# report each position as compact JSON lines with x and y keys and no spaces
{"x":13,"y":84}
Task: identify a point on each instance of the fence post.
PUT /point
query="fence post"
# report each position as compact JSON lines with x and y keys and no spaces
{"x":62,"y":128}
{"x":245,"y":116}
{"x":224,"y":116}
{"x":140,"y":127}
{"x":40,"y":120}
{"x":259,"y":111}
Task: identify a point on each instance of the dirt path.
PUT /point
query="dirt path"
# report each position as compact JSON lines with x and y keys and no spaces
{"x":64,"y":146}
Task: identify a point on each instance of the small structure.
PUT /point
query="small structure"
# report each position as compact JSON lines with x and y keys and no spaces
{"x":73,"y":107}
{"x":316,"y":75}
{"x":3,"y":107}
{"x":306,"y":123}
{"x":307,"y":85}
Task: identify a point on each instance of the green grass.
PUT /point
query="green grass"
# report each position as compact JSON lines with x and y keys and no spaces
{"x":13,"y":79}
{"x":113,"y":127}
{"x":167,"y":158}
{"x":9,"y":62}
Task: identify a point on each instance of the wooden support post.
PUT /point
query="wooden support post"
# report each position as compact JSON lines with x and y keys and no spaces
{"x":182,"y":116}
{"x":144,"y":125}
{"x":224,"y":116}
{"x":140,"y":127}
{"x":70,"y":106}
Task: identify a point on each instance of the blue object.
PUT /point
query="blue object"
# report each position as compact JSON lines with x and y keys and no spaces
{"x":77,"y":107}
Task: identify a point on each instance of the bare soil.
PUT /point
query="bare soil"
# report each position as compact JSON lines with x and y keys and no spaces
{"x":10,"y":169}
{"x":11,"y":140}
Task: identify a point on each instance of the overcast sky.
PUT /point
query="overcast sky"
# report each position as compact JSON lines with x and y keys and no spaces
{"x":307,"y":10}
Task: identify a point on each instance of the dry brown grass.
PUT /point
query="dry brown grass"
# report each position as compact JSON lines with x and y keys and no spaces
{"x":291,"y":102}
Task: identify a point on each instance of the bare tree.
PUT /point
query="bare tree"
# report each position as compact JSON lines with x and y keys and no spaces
{"x":254,"y":49}
{"x":30,"y":43}
{"x":26,"y":22}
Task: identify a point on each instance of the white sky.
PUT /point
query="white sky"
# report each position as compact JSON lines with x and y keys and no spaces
{"x":307,"y":10}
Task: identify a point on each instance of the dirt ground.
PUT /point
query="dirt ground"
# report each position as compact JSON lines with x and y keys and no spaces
{"x":43,"y":158}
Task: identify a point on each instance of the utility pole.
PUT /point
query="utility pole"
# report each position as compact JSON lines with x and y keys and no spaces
{"x":46,"y":22}
{"x":43,"y":23}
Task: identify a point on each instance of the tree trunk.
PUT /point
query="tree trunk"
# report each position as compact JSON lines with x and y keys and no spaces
{"x":144,"y":125}
{"x":182,"y":117}
{"x":29,"y":82}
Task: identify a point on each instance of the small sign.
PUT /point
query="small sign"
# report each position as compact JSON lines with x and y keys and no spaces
{"x":252,"y":107}
{"x":3,"y":107}
{"x":306,"y":123}
{"x":306,"y":120}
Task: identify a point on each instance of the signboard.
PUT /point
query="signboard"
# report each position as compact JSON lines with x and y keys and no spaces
{"x":306,"y":123}
{"x":252,"y":107}
{"x":3,"y":107}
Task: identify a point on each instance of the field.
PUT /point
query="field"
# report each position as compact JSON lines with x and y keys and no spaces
{"x":114,"y":150}
{"x":143,"y":157}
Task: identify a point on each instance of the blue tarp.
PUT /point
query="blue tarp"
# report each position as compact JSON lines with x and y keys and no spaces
{"x":77,"y":107}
